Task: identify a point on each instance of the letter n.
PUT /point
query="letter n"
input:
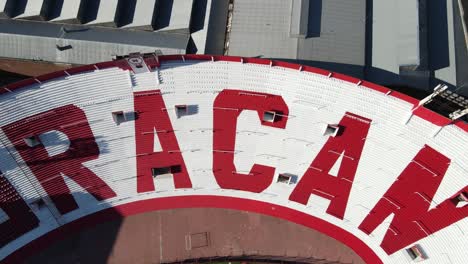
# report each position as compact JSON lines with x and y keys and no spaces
{"x":346,"y":146}
{"x":409,"y":199}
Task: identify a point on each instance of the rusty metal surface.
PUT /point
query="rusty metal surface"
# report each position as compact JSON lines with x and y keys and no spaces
{"x":30,"y":68}
{"x":173,"y":235}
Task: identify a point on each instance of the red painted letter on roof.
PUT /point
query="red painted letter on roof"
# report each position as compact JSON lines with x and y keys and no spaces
{"x":71,"y":121}
{"x":18,"y":219}
{"x":153,"y":121}
{"x":227,"y":107}
{"x":348,"y":144}
{"x":409,"y":198}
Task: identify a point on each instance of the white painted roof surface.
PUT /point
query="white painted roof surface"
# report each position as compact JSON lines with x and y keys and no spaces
{"x":69,"y":10}
{"x":106,"y":12}
{"x":144,"y":12}
{"x":313,"y":100}
{"x":33,"y":8}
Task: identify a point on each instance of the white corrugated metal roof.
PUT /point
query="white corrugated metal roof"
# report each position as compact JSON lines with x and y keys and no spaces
{"x":180,"y":15}
{"x":69,"y":10}
{"x":144,"y":12}
{"x":33,"y":8}
{"x":2,"y":5}
{"x":2,"y":8}
{"x":106,"y":12}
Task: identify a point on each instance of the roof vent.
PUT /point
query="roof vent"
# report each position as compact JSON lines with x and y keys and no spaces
{"x":32,"y":141}
{"x":270,"y":116}
{"x":166,"y":170}
{"x":287,"y":178}
{"x":63,"y":47}
{"x":119,"y":117}
{"x":181,"y":110}
{"x":416,"y":253}
{"x":461,"y":200}
{"x":331,"y":130}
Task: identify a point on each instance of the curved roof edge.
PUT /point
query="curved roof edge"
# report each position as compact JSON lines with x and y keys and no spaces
{"x":155,"y":61}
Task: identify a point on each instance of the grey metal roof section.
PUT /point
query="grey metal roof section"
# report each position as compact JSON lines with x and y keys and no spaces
{"x":335,"y":30}
{"x":80,"y":44}
{"x":98,"y":34}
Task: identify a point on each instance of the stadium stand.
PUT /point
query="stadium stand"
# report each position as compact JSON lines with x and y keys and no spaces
{"x":368,"y":166}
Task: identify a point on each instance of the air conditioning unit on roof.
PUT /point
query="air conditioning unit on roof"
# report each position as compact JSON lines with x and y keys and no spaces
{"x":269,"y":116}
{"x":32,"y":141}
{"x":331,"y":130}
